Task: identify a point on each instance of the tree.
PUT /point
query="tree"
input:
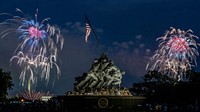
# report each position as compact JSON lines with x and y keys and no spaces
{"x":160,"y":88}
{"x":193,"y":77}
{"x":157,"y":77}
{"x":5,"y":84}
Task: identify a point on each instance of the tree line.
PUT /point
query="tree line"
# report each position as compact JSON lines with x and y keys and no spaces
{"x":158,"y":87}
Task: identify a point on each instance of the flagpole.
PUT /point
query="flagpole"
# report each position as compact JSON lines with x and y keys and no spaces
{"x":87,"y":20}
{"x":92,"y":29}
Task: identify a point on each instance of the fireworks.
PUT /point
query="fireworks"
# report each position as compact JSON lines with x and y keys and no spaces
{"x":40,"y":63}
{"x":33,"y":95}
{"x":177,"y":51}
{"x":37,"y":50}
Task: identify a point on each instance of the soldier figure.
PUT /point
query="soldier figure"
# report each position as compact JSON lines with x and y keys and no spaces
{"x":103,"y":73}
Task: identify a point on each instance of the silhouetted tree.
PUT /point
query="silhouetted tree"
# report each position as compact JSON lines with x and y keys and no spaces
{"x":160,"y":88}
{"x":192,"y":76}
{"x":5,"y":84}
{"x":157,"y":77}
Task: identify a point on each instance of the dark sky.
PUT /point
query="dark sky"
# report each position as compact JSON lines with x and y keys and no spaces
{"x":127,"y":31}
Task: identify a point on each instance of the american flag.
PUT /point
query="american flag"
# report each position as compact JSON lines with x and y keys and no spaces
{"x":88,"y":30}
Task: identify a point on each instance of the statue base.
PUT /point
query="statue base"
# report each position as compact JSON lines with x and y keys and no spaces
{"x":87,"y":103}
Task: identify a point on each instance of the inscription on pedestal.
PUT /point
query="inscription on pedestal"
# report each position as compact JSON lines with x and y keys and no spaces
{"x":103,"y":102}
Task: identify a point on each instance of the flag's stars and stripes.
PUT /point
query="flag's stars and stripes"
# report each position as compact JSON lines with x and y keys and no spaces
{"x":88,"y":30}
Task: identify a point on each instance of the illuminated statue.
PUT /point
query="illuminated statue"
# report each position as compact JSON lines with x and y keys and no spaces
{"x":103,"y":73}
{"x":113,"y":75}
{"x":91,"y":75}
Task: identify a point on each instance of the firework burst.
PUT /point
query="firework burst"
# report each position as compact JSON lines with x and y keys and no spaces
{"x":176,"y":53}
{"x":38,"y":46}
{"x":33,"y":35}
{"x":33,"y":95}
{"x":32,"y":68}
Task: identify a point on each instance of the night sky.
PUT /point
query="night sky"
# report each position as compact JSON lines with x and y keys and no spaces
{"x":127,"y":31}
